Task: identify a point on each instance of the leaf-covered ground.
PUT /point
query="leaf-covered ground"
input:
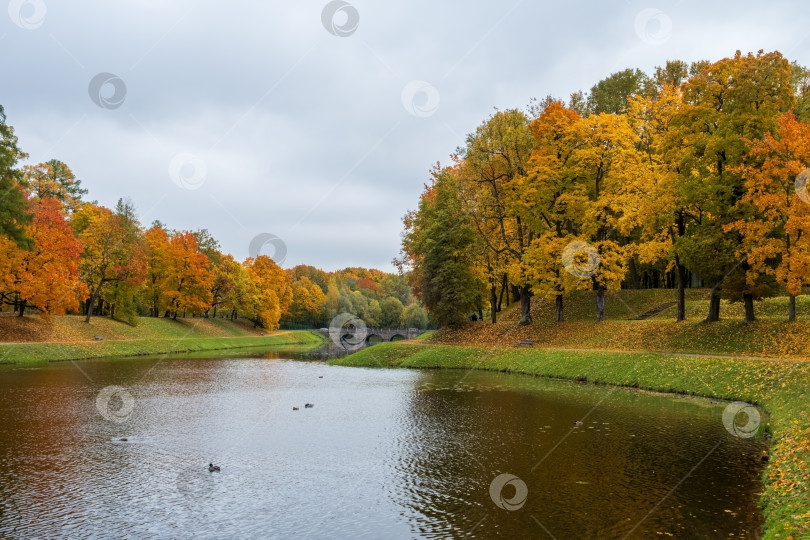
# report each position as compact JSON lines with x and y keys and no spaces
{"x":29,"y":340}
{"x":770,"y":336}
{"x":72,"y":328}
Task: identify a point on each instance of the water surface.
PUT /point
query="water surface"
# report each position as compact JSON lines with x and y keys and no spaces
{"x":383,"y":453}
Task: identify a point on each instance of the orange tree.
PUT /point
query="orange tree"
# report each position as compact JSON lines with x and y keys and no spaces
{"x":187,"y":286}
{"x":776,"y":230}
{"x":110,"y":252}
{"x":45,"y":277}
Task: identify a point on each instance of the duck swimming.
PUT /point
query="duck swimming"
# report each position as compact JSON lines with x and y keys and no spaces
{"x":578,"y":423}
{"x":308,"y":405}
{"x":213,"y":468}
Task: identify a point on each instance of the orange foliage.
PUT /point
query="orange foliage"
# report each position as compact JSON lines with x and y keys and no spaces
{"x":47,"y":277}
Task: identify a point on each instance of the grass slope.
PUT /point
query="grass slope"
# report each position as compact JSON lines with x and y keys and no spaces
{"x":770,"y":336}
{"x":32,"y":340}
{"x":73,"y":328}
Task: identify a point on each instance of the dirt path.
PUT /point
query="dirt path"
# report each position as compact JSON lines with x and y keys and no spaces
{"x":636,"y":351}
{"x":77,"y":342}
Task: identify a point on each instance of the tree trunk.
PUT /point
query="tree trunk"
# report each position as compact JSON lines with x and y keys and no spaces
{"x":632,"y":273}
{"x":558,"y":304}
{"x":525,"y":304}
{"x":493,"y":302}
{"x":792,"y":308}
{"x":515,"y":292}
{"x":504,"y":285}
{"x":714,"y":307}
{"x":112,"y":311}
{"x":90,"y":301}
{"x":681,"y":290}
{"x":600,"y":304}
{"x":22,"y":307}
{"x":748,"y":300}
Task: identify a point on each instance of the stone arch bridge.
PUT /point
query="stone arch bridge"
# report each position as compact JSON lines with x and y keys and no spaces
{"x":385,"y":334}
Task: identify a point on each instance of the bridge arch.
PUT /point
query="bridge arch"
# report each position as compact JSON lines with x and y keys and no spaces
{"x":374,"y":334}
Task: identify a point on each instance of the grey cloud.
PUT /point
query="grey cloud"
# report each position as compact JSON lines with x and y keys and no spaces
{"x":281,"y":111}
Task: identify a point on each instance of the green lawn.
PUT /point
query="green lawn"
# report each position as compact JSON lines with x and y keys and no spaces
{"x":31,"y":353}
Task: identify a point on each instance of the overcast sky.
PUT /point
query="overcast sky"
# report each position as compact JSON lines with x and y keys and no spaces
{"x":316,"y":121}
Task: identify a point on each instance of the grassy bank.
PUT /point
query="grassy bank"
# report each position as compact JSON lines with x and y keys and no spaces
{"x":33,"y":353}
{"x":72,"y":328}
{"x":770,"y":336}
{"x":779,"y":386}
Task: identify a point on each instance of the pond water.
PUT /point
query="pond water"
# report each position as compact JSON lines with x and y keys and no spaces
{"x":381,"y":454}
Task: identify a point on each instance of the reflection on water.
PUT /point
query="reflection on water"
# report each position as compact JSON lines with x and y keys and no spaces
{"x":383,"y":453}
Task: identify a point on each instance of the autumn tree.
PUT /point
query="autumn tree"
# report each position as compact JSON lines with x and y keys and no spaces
{"x":156,"y":242}
{"x":332,"y":299}
{"x":123,"y":294}
{"x":669,"y":206}
{"x":315,"y":275}
{"x":494,"y":166}
{"x":109,"y":254}
{"x":610,"y":180}
{"x":270,"y":293}
{"x":54,"y":179}
{"x":308,"y":303}
{"x":776,"y":230}
{"x":189,"y":280}
{"x":45,"y":277}
{"x":726,"y":103}
{"x":554,"y":203}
